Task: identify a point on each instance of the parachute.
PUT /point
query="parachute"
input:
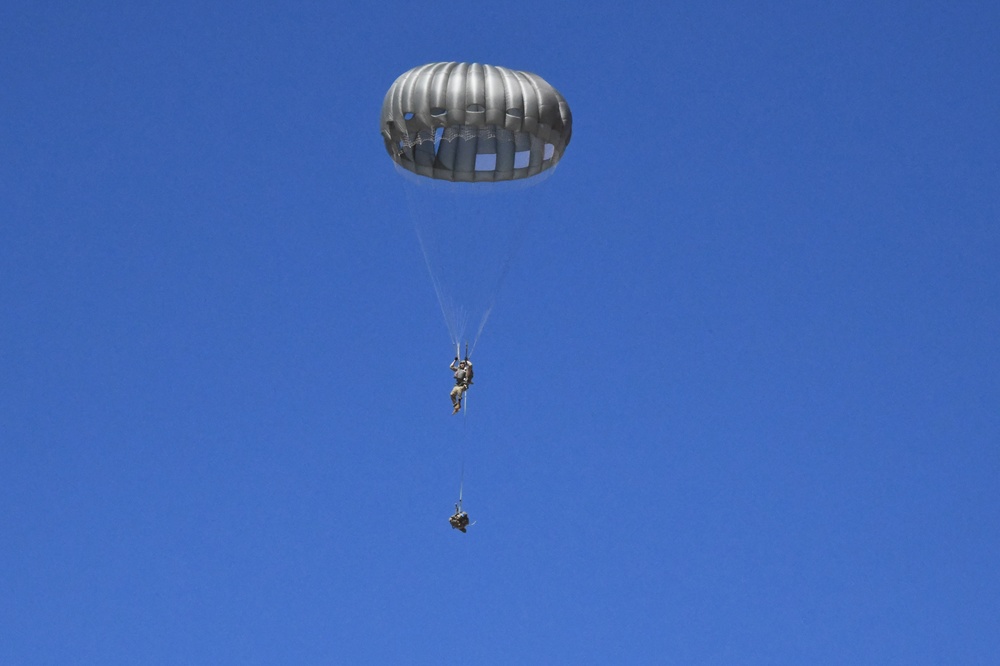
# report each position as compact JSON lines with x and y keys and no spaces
{"x":474,"y":123}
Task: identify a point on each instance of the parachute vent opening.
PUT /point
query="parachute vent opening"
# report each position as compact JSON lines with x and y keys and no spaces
{"x":550,"y":150}
{"x":408,"y":115}
{"x":475,"y":108}
{"x":522,"y":158}
{"x":438,"y":112}
{"x":515,"y":113}
{"x":487,"y":162}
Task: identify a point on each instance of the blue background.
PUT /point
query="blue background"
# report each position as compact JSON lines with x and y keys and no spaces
{"x":738,"y":402}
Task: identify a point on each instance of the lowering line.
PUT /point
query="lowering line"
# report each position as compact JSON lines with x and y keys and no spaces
{"x":462,"y":442}
{"x":460,"y":520}
{"x":465,"y":421}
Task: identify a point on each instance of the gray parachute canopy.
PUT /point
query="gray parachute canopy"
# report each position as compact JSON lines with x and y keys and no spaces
{"x":470,"y":122}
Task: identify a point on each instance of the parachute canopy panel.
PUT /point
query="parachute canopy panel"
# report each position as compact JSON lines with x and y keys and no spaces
{"x":474,"y":123}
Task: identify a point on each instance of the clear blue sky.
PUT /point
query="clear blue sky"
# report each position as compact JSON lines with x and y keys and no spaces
{"x":739,"y":401}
